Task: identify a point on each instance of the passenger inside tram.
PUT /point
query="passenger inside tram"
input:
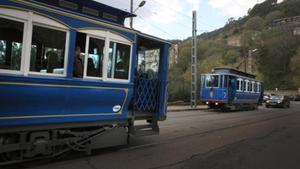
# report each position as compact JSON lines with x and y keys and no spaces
{"x":78,"y":64}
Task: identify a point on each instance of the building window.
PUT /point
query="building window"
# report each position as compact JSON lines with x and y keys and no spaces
{"x":11,"y":44}
{"x":95,"y":55}
{"x":47,"y":50}
{"x":118,"y":61}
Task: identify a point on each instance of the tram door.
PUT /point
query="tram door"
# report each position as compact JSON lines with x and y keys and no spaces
{"x":147,"y":83}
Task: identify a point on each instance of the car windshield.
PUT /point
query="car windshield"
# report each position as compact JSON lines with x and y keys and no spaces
{"x":276,"y":97}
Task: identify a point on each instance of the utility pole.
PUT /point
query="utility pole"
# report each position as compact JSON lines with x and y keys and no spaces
{"x":194,"y":63}
{"x":131,"y":11}
{"x":245,"y":64}
{"x":250,"y":62}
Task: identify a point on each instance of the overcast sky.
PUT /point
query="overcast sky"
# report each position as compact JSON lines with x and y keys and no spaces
{"x":171,"y":19}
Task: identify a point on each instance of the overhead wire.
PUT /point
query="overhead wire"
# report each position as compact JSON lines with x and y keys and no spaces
{"x":157,"y":28}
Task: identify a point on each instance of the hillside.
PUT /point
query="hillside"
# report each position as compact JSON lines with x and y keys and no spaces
{"x":271,"y":28}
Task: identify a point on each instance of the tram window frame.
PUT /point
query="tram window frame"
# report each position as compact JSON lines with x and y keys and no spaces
{"x":29,"y":19}
{"x":253,"y":87}
{"x":250,"y":87}
{"x":239,"y":85}
{"x":246,"y":85}
{"x":66,"y":50}
{"x":129,"y":62}
{"x":22,"y":57}
{"x":258,"y":87}
{"x":86,"y":57}
{"x":108,"y":36}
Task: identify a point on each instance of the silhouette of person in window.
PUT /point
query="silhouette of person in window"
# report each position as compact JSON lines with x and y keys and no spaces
{"x":52,"y":61}
{"x":91,"y":70}
{"x":78,"y":64}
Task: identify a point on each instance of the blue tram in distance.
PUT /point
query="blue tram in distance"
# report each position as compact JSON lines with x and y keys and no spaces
{"x":231,"y":89}
{"x":73,"y":77}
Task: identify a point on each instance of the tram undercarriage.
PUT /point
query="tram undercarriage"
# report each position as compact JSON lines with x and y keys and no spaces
{"x":25,"y":146}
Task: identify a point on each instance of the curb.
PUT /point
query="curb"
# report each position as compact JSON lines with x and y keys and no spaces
{"x":177,"y":110}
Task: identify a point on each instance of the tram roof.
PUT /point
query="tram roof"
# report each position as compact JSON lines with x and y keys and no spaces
{"x":91,"y":8}
{"x":233,"y":71}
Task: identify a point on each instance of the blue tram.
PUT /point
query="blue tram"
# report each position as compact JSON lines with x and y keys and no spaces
{"x":73,"y":77}
{"x":231,"y":89}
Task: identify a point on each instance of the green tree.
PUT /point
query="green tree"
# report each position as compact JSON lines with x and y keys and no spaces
{"x":295,"y":68}
{"x":278,"y":47}
{"x":231,"y":57}
{"x":255,"y":23}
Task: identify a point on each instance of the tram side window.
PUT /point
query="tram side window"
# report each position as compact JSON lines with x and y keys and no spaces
{"x":11,"y":38}
{"x":118,"y":61}
{"x":227,"y":82}
{"x":249,"y":86}
{"x":95,"y":57}
{"x":47,"y":50}
{"x":258,"y":87}
{"x":255,"y":87}
{"x":239,"y":85}
{"x":243,"y":86}
{"x":252,"y":87}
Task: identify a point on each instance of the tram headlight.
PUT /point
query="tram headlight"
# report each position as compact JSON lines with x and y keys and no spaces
{"x":207,"y":103}
{"x":216,"y":103}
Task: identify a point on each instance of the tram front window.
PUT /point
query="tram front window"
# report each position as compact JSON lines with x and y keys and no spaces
{"x":212,"y":80}
{"x":47,"y":51}
{"x":118,"y":61}
{"x":11,"y":37}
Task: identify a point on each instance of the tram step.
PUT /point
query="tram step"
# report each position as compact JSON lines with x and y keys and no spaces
{"x":146,"y":130}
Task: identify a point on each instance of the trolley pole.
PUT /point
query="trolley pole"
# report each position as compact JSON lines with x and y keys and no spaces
{"x":194,"y":63}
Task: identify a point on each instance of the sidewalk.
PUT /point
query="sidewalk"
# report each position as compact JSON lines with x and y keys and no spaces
{"x":185,"y":108}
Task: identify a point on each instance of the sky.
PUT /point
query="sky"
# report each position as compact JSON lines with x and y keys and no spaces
{"x":172,"y":19}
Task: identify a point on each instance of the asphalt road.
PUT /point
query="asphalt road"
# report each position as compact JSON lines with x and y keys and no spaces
{"x":261,"y":139}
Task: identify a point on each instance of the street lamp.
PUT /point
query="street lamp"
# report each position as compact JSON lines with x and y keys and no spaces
{"x":133,"y":11}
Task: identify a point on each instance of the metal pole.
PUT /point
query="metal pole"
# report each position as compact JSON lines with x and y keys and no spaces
{"x":194,"y":63}
{"x":245,"y":64}
{"x":250,"y":61}
{"x":131,"y":11}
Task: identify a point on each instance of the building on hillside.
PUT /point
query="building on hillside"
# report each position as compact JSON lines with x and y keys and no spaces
{"x":234,"y":41}
{"x":291,"y":23}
